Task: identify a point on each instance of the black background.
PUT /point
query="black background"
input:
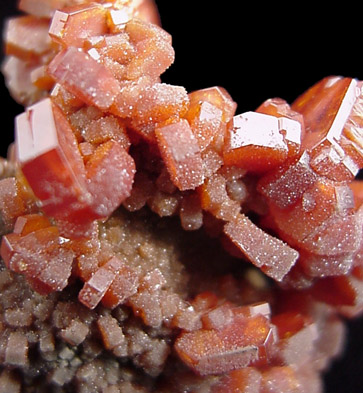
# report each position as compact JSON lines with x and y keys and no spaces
{"x":255,"y":52}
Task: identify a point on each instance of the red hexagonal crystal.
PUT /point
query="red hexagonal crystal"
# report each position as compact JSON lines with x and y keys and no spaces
{"x":46,"y":144}
{"x":84,"y":77}
{"x":215,"y":199}
{"x":293,"y":134}
{"x":23,"y":250}
{"x":254,"y":142}
{"x":71,"y":27}
{"x":27,"y":37}
{"x":235,"y":345}
{"x":12,"y":200}
{"x":286,"y":185}
{"x":95,"y":288}
{"x":334,"y":124}
{"x":123,"y":286}
{"x":30,"y":223}
{"x":218,"y":97}
{"x":181,"y":153}
{"x":206,"y":121}
{"x":67,"y":190}
{"x":39,"y":256}
{"x":110,"y":173}
{"x":279,"y":171}
{"x":318,"y":203}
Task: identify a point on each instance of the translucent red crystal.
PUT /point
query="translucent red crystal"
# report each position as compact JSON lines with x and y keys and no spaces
{"x":254,"y":142}
{"x":122,"y":287}
{"x":335,"y":143}
{"x":27,"y":38}
{"x":39,"y":257}
{"x":30,"y":223}
{"x":72,"y":27}
{"x":77,"y":71}
{"x":102,"y":132}
{"x":69,"y":190}
{"x":109,"y":161}
{"x":218,"y":97}
{"x":112,"y":334}
{"x":181,"y":153}
{"x":318,"y":203}
{"x":12,"y":200}
{"x":104,"y":129}
{"x":146,"y":303}
{"x":293,"y":132}
{"x":285,"y":185}
{"x":95,"y":288}
{"x":222,"y":347}
{"x":46,"y":144}
{"x":207,"y":116}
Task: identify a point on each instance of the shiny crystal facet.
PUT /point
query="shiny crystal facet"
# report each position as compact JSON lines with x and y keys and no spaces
{"x":255,"y":141}
{"x":72,"y":27}
{"x":45,"y":144}
{"x":335,"y":144}
{"x":101,"y":139}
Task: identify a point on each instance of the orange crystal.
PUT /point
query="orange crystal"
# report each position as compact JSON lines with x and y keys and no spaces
{"x":122,"y":287}
{"x":111,"y":133}
{"x":218,"y":97}
{"x":30,"y":223}
{"x":12,"y":200}
{"x":96,"y":286}
{"x":293,"y":134}
{"x":331,"y":111}
{"x":205,"y":120}
{"x":27,"y":38}
{"x":71,"y":27}
{"x":112,"y":334}
{"x":46,"y":144}
{"x":318,"y":203}
{"x":234,"y":345}
{"x":255,"y":141}
{"x":286,"y":185}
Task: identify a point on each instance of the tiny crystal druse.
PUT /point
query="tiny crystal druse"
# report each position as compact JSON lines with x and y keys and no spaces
{"x":153,"y":239}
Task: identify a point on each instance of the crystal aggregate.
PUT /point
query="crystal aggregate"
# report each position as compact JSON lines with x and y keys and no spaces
{"x":115,"y":193}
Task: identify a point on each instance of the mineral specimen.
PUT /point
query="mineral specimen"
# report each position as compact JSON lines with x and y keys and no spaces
{"x":153,"y":240}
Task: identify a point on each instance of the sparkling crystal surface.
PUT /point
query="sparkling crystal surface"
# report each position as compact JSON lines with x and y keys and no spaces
{"x":153,"y":239}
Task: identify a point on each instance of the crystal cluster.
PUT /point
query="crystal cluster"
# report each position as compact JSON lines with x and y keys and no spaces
{"x":100,"y":285}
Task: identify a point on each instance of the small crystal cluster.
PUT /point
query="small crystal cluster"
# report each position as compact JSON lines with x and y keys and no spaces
{"x":101,"y":287}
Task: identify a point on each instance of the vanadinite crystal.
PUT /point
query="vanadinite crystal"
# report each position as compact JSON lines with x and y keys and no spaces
{"x":153,"y":240}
